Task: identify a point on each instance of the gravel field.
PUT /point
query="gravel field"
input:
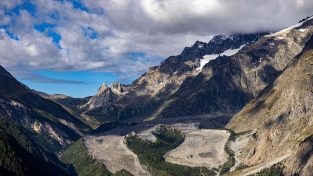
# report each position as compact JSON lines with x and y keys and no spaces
{"x":114,"y":154}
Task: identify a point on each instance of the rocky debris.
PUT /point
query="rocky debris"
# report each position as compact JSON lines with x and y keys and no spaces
{"x":237,"y":147}
{"x":114,"y":154}
{"x":201,"y":148}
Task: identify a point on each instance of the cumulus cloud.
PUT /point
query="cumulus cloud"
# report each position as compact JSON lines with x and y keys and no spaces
{"x":102,"y":35}
{"x":202,"y":16}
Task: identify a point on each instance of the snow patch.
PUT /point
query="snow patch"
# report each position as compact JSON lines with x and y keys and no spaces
{"x":207,"y":58}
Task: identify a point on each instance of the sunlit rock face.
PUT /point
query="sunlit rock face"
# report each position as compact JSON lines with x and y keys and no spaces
{"x":281,"y":114}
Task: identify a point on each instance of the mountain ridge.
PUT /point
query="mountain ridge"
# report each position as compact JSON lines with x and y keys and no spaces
{"x":146,"y":94}
{"x":34,"y":130}
{"x":280,"y":115}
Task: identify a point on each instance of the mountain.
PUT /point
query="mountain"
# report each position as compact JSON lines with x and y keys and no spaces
{"x":146,"y":96}
{"x":20,"y":153}
{"x":227,"y":83}
{"x":104,"y":103}
{"x":281,"y":117}
{"x":72,"y":105}
{"x":216,"y":78}
{"x":33,"y":130}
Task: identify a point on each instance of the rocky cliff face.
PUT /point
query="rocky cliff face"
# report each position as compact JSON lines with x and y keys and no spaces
{"x":282,"y":116}
{"x":104,"y":105}
{"x":106,"y":95}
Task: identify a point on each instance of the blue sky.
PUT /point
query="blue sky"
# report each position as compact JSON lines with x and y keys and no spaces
{"x":73,"y":83}
{"x":86,"y":82}
{"x":72,"y":46}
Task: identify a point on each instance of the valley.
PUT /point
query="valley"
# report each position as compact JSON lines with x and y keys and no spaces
{"x":238,"y":105}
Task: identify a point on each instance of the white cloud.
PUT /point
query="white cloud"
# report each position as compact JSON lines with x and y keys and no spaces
{"x":158,"y":28}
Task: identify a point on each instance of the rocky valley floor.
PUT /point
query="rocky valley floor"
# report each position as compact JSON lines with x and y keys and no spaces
{"x":215,"y":149}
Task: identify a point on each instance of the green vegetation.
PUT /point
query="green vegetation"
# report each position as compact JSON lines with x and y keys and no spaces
{"x":151,"y":154}
{"x":122,"y":173}
{"x":20,"y":155}
{"x":231,"y":159}
{"x":76,"y":154}
{"x":241,"y":166}
{"x":275,"y":170}
{"x":104,"y":115}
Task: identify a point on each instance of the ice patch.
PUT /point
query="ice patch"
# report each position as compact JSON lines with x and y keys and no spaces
{"x":207,"y":58}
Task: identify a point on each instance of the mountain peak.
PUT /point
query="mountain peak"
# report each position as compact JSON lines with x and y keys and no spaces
{"x":221,"y":38}
{"x":198,"y":44}
{"x":102,"y":88}
{"x":3,"y":72}
{"x":116,"y":86}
